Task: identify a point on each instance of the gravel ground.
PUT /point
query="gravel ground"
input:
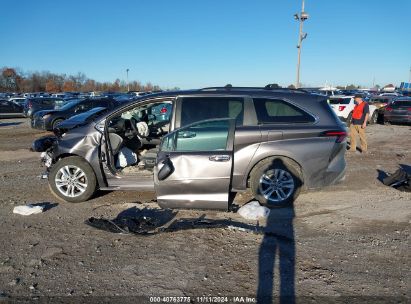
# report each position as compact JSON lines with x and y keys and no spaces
{"x":348,"y":242}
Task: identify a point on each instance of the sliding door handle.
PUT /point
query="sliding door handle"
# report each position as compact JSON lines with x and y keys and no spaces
{"x":219,"y":158}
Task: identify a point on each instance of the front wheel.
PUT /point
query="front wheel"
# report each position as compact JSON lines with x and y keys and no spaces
{"x":56,"y":123}
{"x":276,"y":182}
{"x":72,"y":179}
{"x":374,"y":118}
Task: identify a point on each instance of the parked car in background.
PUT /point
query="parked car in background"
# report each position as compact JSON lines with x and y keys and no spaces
{"x":395,"y":94}
{"x":32,"y":105}
{"x":78,"y":120}
{"x":381,"y":101}
{"x":136,"y":93}
{"x":215,"y":141}
{"x":18,"y":100}
{"x":49,"y":119}
{"x":10,"y":109}
{"x":343,"y":107}
{"x":62,"y":95}
{"x":330,"y":91}
{"x":162,"y":112}
{"x":398,"y":111}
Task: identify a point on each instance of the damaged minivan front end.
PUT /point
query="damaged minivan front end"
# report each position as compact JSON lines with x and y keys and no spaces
{"x":79,"y":142}
{"x":45,"y":145}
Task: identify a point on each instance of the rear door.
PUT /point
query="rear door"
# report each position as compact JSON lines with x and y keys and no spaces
{"x":194,"y":166}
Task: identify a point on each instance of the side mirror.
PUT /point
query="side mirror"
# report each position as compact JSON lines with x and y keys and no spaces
{"x":166,"y":170}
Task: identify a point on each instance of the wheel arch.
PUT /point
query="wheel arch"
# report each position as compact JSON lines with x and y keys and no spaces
{"x":273,"y":157}
{"x":54,"y":121}
{"x":101,"y":181}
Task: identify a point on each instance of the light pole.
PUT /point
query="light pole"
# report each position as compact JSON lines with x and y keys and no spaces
{"x":301,"y":36}
{"x":128,"y":86}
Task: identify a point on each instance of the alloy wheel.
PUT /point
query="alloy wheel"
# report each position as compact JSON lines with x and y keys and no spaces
{"x":276,"y":185}
{"x":71,"y":181}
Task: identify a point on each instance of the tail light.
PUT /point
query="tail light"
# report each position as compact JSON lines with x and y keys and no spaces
{"x":389,"y":109}
{"x":341,"y":108}
{"x":341,"y":135}
{"x":29,"y":104}
{"x":163,"y":110}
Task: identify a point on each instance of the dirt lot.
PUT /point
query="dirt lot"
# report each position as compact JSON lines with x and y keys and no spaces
{"x":349,"y":240}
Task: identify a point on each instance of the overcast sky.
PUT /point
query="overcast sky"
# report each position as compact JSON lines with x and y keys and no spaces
{"x":193,"y":43}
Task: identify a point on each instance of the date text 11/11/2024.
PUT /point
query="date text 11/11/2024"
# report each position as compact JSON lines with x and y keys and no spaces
{"x":203,"y":299}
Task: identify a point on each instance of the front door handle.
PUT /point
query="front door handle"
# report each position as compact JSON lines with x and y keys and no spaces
{"x":219,"y":158}
{"x":187,"y":134}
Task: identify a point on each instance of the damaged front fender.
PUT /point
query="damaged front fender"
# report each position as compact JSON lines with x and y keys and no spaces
{"x":44,"y":143}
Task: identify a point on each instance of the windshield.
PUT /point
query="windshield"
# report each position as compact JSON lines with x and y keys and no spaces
{"x":335,"y":101}
{"x":89,"y":115}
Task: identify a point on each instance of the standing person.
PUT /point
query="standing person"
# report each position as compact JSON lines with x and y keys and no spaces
{"x":358,"y":124}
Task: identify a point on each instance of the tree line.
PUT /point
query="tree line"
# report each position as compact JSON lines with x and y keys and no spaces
{"x":15,"y":80}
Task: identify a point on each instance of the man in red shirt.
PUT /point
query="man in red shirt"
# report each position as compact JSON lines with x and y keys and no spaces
{"x":358,"y":124}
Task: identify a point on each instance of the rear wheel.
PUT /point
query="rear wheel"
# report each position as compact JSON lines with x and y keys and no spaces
{"x":276,"y":182}
{"x":72,"y":179}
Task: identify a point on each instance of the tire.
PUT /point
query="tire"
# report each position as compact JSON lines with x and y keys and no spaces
{"x":275,"y":170}
{"x":56,"y":122}
{"x":374,"y":118}
{"x":81,"y":187}
{"x":349,"y":119}
{"x":380,"y":118}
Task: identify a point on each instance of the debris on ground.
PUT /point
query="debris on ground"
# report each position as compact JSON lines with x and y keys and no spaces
{"x":399,"y":180}
{"x":253,"y":211}
{"x":153,"y":221}
{"x":30,"y":209}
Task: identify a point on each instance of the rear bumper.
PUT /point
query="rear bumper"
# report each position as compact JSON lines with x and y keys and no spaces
{"x":333,"y":173}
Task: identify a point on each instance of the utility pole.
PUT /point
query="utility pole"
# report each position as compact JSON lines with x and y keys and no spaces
{"x":301,"y":36}
{"x":128,"y":85}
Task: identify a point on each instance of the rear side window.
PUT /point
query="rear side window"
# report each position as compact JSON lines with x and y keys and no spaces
{"x":201,"y":108}
{"x":279,"y":111}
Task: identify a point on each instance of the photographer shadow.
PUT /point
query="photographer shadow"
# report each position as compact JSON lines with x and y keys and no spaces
{"x":278,"y":242}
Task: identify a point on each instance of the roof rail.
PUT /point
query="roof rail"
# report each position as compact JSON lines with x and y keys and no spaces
{"x":269,"y":87}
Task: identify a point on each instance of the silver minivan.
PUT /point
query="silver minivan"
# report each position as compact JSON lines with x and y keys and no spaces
{"x":213,"y":143}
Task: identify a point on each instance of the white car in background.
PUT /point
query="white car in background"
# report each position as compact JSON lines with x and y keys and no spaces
{"x":343,"y":106}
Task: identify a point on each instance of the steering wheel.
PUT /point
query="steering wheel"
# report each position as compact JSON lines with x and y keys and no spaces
{"x":134,"y":128}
